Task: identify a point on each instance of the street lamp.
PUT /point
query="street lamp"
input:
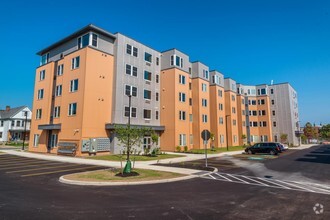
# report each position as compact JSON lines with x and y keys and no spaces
{"x":128,"y":165}
{"x":25,"y":114}
{"x":227,"y":131}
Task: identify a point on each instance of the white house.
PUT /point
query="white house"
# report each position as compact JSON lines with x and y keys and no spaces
{"x":12,"y":123}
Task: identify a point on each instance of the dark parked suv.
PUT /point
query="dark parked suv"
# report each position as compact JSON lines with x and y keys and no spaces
{"x":266,"y":147}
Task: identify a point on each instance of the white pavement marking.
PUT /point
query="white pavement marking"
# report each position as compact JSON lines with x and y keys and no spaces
{"x":264,"y":184}
{"x":290,"y":184}
{"x":223,"y":177}
{"x":285,"y":187}
{"x":212,"y":176}
{"x":238,"y":178}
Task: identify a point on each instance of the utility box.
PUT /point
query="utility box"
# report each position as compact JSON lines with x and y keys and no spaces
{"x":94,"y":145}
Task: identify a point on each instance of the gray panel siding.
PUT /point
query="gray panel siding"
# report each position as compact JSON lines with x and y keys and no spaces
{"x":166,"y":60}
{"x":122,"y":79}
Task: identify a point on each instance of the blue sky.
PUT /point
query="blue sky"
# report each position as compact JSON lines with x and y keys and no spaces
{"x":252,"y":42}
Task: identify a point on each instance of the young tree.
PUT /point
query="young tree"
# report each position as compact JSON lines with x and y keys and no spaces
{"x":284,"y":138}
{"x":325,"y":131}
{"x":310,"y":131}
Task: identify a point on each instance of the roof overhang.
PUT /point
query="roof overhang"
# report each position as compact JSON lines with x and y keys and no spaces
{"x":50,"y":127}
{"x":153,"y":127}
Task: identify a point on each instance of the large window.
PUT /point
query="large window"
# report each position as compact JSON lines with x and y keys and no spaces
{"x":220,"y":93}
{"x":182,"y":79}
{"x":131,"y":50}
{"x":205,"y":74}
{"x":147,"y":94}
{"x":182,"y":140}
{"x":75,"y":62}
{"x":146,"y":114}
{"x":57,"y":111}
{"x":35,"y":140}
{"x":60,"y":69}
{"x":131,"y":70}
{"x":74,"y":85}
{"x":177,"y":61}
{"x":83,"y":41}
{"x":58,"y":90}
{"x":131,"y":90}
{"x":204,"y":118}
{"x":204,"y":88}
{"x":147,"y":57}
{"x":133,"y":112}
{"x":53,"y":140}
{"x":182,"y":97}
{"x":44,"y":59}
{"x":72,"y":109}
{"x":40,"y":93}
{"x":182,"y":115}
{"x":39,"y":113}
{"x":18,"y":123}
{"x":42,"y":75}
{"x":204,"y":102}
{"x":147,"y":75}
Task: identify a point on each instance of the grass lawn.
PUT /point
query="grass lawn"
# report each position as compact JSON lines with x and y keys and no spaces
{"x":216,"y":150}
{"x":109,"y":175}
{"x":116,"y":157}
{"x":17,"y":144}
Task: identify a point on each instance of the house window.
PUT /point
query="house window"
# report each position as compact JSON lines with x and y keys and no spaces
{"x":57,"y":111}
{"x":131,"y":70}
{"x":53,"y":140}
{"x":264,"y":124}
{"x":157,"y":115}
{"x":205,"y":74}
{"x":35,"y":140}
{"x":233,"y":110}
{"x":273,"y":112}
{"x":271,"y":91}
{"x":157,"y":61}
{"x":130,"y":90}
{"x":182,"y":79}
{"x":263,"y":91}
{"x":72,"y":109}
{"x":0,"y":134}
{"x":18,"y":123}
{"x":191,"y":117}
{"x":147,"y":114}
{"x":147,"y":57}
{"x":219,"y":92}
{"x":58,"y":90}
{"x":191,"y":139}
{"x":178,"y":61}
{"x":221,"y":120}
{"x":220,"y":106}
{"x":44,"y":59}
{"x":234,"y":122}
{"x":60,"y":69}
{"x":222,"y":138}
{"x":131,"y":50}
{"x":204,"y":118}
{"x":273,"y":102}
{"x":232,"y":98}
{"x":157,"y":78}
{"x":94,"y":40}
{"x":235,"y":138}
{"x":157,"y":96}
{"x":182,"y":97}
{"x":274,"y":123}
{"x":39,"y":113}
{"x":74,"y":85}
{"x":204,"y":89}
{"x":147,"y":75}
{"x":40,"y":93}
{"x":147,"y":94}
{"x":182,"y":115}
{"x":135,"y":52}
{"x":204,"y":102}
{"x":13,"y":123}
{"x":255,"y":124}
{"x":182,"y":139}
{"x":133,"y":112}
{"x":83,"y":41}
{"x":42,"y":75}
{"x":190,"y":101}
{"x":75,"y":63}
{"x":253,"y":102}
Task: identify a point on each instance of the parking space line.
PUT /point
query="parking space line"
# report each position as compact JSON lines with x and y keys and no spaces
{"x":237,"y":178}
{"x":212,"y":176}
{"x":262,"y":179}
{"x":29,"y":165}
{"x":32,"y":162}
{"x":223,"y":177}
{"x":13,"y":162}
{"x":58,"y":171}
{"x":255,"y":181}
{"x":290,"y":184}
{"x":43,"y":168}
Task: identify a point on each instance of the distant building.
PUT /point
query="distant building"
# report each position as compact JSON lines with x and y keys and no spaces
{"x":12,"y":123}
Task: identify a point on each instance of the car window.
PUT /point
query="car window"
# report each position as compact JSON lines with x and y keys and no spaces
{"x":263,"y":144}
{"x":256,"y":146}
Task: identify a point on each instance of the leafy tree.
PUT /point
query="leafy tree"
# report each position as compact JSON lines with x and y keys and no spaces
{"x":284,"y":138}
{"x":303,"y":139}
{"x":310,"y":131}
{"x":325,"y":131}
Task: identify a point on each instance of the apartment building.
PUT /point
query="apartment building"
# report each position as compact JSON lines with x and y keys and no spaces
{"x":284,"y":113}
{"x":86,"y":82}
{"x":14,"y":122}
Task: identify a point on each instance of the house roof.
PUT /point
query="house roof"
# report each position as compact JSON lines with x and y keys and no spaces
{"x":4,"y":114}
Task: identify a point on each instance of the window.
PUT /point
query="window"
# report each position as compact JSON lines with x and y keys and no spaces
{"x":222,"y":138}
{"x":35,"y":140}
{"x":157,"y":115}
{"x":271,"y":91}
{"x":53,"y":140}
{"x":191,"y":117}
{"x":220,"y":93}
{"x":204,"y":89}
{"x":40,"y":93}
{"x":263,"y":112}
{"x":182,"y":115}
{"x":221,"y":120}
{"x":232,"y":97}
{"x":243,"y":102}
{"x":178,"y":61}
{"x":157,"y":96}
{"x":72,"y":109}
{"x":0,"y":134}
{"x":133,"y":112}
{"x":13,"y":123}
{"x":147,"y":57}
{"x":57,"y":111}
{"x":182,"y":140}
{"x":264,"y":124}
{"x":22,"y":123}
{"x":234,"y":122}
{"x":182,"y":97}
{"x":235,"y":138}
{"x":39,"y":113}
{"x":74,"y":85}
{"x":157,"y":78}
{"x":146,"y":142}
{"x":205,"y":74}
{"x":189,"y":86}
{"x":83,"y":41}
{"x":75,"y":63}
{"x":157,"y":61}
{"x":146,"y":114}
{"x":255,"y":124}
{"x":94,"y":40}
{"x":42,"y":75}
{"x":1,"y":123}
{"x":147,"y":75}
{"x":135,"y":52}
{"x":204,"y":102}
{"x":182,"y":79}
{"x":191,"y":139}
{"x":131,"y":70}
{"x":147,"y":94}
{"x":216,"y":79}
{"x":273,"y":112}
{"x":60,"y":69}
{"x":18,"y":123}
{"x":263,"y":91}
{"x":128,"y":49}
{"x":261,"y":101}
{"x":204,"y":118}
{"x":253,"y":102}
{"x":274,"y":123}
{"x":273,"y":102}
{"x":58,"y":90}
{"x":254,"y":113}
{"x":233,"y":110}
{"x":190,"y":101}
{"x":44,"y":59}
{"x":220,"y":106}
{"x":130,"y":90}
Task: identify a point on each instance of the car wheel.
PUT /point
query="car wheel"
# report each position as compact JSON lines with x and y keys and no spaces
{"x":249,"y":152}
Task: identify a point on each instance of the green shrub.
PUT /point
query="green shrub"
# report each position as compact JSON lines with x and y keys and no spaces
{"x":178,"y":148}
{"x":185,"y":148}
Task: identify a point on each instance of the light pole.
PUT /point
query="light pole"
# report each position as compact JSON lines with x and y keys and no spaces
{"x":25,"y":114}
{"x":227,"y":130}
{"x":128,"y":165}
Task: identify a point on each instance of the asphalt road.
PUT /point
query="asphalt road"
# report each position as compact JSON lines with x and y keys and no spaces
{"x":44,"y":197}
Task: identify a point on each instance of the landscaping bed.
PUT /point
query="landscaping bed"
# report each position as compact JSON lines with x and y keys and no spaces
{"x":114,"y":175}
{"x":118,"y":157}
{"x":212,"y":151}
